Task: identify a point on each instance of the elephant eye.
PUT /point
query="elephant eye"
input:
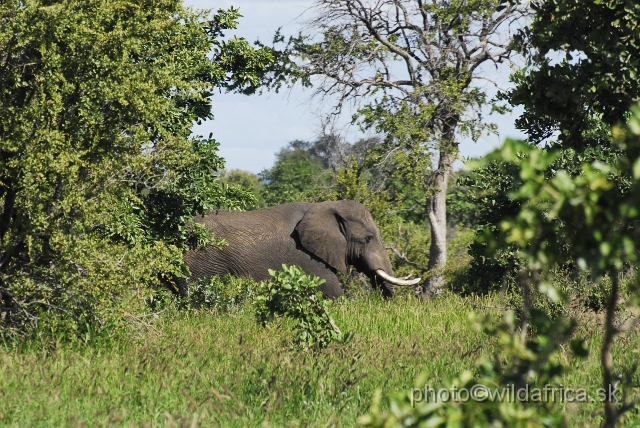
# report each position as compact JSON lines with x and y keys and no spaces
{"x":368,"y":239}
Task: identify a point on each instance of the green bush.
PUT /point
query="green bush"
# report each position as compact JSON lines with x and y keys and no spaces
{"x":486,"y":193}
{"x":293,"y":294}
{"x":99,"y":172}
{"x":246,"y":180}
{"x":223,"y":294}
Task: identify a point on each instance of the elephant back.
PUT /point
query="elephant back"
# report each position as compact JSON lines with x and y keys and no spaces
{"x":257,"y":241}
{"x":270,"y":221}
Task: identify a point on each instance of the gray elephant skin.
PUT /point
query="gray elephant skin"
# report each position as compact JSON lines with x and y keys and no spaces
{"x":322,"y":238}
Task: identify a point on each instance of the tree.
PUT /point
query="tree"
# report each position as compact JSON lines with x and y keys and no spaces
{"x":571,"y":97}
{"x":296,"y":173}
{"x":571,"y":105}
{"x":583,"y":71}
{"x":412,"y":67}
{"x":306,"y":170}
{"x":245,"y":180}
{"x":600,"y":218}
{"x":98,"y":173}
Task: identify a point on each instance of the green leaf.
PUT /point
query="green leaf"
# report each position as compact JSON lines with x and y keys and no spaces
{"x":579,"y":348}
{"x":552,"y":292}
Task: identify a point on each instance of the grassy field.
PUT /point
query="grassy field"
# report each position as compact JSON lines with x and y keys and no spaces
{"x":199,"y":368}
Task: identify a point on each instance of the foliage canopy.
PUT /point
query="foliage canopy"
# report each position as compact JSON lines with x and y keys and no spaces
{"x":98,"y":171}
{"x":583,"y":71}
{"x":296,"y":173}
{"x":579,"y":81}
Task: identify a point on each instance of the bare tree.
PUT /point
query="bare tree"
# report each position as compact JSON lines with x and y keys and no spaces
{"x":412,"y":68}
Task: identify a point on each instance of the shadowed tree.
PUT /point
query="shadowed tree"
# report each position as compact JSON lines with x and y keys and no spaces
{"x":583,"y":70}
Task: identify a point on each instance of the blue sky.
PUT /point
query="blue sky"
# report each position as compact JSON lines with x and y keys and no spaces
{"x":251,"y":129}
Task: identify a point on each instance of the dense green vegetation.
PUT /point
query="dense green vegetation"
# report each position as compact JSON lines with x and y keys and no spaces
{"x":297,"y":172}
{"x":99,"y":173}
{"x":536,"y":252}
{"x":221,"y":369}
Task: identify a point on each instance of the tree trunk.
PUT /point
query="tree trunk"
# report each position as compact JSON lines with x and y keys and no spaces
{"x":437,"y":212}
{"x":611,"y":413}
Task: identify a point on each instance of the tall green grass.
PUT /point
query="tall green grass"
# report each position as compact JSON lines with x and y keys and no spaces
{"x":202,"y":368}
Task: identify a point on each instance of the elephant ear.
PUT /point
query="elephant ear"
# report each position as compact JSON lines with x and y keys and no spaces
{"x":321,"y":233}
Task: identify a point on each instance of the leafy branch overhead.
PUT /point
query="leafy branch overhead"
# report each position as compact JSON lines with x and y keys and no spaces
{"x":243,"y":66}
{"x":583,"y":71}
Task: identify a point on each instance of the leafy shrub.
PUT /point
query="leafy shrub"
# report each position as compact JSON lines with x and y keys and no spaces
{"x":99,"y":171}
{"x":292,"y":293}
{"x":245,"y":180}
{"x":223,"y":294}
{"x":489,"y":188}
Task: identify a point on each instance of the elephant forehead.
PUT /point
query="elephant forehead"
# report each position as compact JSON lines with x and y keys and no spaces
{"x":362,"y":217}
{"x":353,"y":210}
{"x":359,"y":227}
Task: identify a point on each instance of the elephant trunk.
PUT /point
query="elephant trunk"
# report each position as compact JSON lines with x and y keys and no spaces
{"x":378,"y":267}
{"x":397,"y":281}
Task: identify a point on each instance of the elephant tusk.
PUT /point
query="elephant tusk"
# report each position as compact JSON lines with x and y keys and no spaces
{"x":397,"y":281}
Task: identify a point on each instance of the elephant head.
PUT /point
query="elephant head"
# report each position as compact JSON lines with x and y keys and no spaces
{"x":343,"y":233}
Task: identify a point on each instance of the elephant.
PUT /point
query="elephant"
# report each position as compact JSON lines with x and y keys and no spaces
{"x":322,"y":238}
